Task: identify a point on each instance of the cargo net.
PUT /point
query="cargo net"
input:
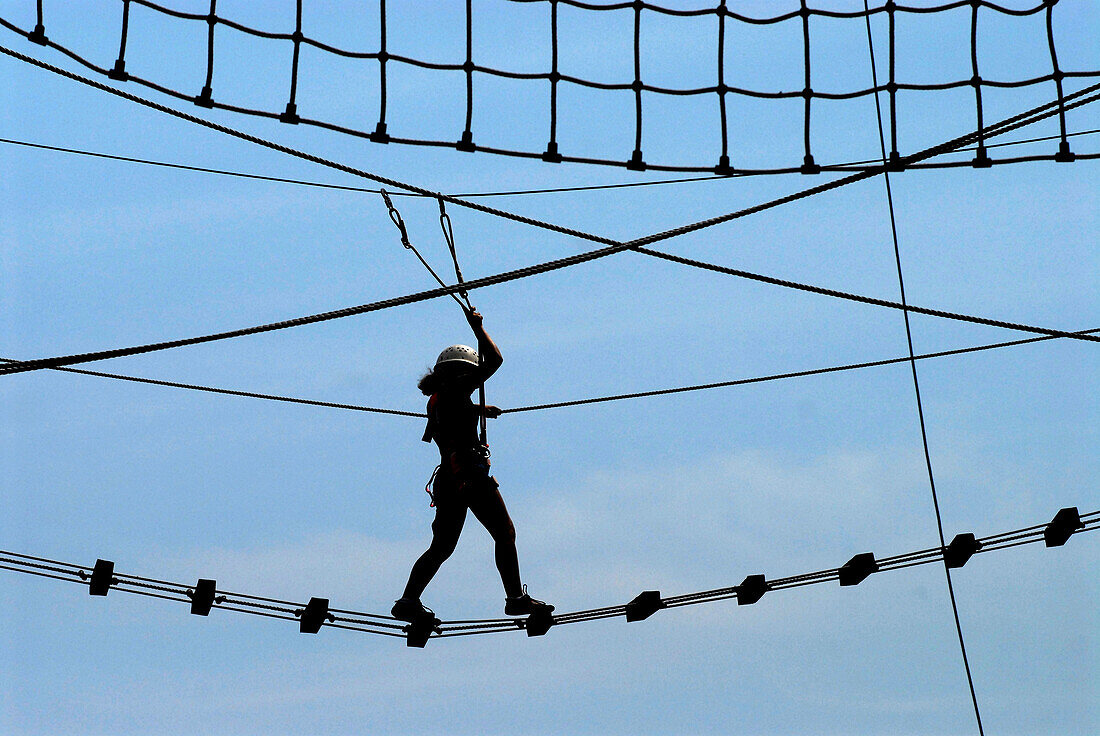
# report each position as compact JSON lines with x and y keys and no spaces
{"x":522,"y":94}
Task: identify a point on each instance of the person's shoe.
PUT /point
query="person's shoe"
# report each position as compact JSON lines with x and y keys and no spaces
{"x":525,"y":605}
{"x":413,"y":611}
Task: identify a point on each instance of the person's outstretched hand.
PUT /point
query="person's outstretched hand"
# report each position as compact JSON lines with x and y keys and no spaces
{"x":474,"y":318}
{"x":492,"y":412}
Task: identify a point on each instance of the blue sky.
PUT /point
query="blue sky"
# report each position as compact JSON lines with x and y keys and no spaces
{"x":675,"y":493}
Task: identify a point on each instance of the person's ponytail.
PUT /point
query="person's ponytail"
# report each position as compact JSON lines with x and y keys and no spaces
{"x":428,"y":383}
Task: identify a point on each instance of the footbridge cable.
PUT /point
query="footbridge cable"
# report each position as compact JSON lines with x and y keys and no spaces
{"x":204,"y":597}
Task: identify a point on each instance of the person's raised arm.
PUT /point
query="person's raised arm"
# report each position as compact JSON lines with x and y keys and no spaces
{"x":486,"y":348}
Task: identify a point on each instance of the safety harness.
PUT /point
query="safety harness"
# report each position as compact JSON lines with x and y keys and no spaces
{"x":459,"y":462}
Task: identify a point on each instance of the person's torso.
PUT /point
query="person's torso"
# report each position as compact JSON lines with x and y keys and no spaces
{"x":453,"y":422}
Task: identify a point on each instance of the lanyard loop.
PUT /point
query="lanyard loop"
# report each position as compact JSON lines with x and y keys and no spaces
{"x":449,"y":237}
{"x":395,"y":216}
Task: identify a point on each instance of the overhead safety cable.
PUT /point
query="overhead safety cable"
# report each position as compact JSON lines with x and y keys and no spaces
{"x":475,"y":195}
{"x":913,"y":371}
{"x":205,"y":597}
{"x":1071,"y":101}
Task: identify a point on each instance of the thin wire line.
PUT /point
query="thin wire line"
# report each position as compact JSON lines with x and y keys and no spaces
{"x":470,"y":195}
{"x":913,"y":368}
{"x":782,"y":376}
{"x":231,"y":392}
{"x":368,"y":190}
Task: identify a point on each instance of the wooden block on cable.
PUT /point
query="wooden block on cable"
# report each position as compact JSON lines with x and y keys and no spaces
{"x":313,"y":616}
{"x":961,"y":549}
{"x":416,"y":635}
{"x":856,"y":570}
{"x":1062,"y":526}
{"x":202,"y":597}
{"x":751,"y":590}
{"x":102,"y":578}
{"x":539,"y":622}
{"x":647,"y":603}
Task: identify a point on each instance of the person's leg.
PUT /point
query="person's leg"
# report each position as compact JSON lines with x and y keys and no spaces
{"x":488,"y":506}
{"x":449,"y":518}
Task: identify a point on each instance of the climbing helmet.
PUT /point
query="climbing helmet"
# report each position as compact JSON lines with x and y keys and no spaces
{"x":457,"y":354}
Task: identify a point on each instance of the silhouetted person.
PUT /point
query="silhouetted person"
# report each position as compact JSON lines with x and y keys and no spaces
{"x":462,"y":480}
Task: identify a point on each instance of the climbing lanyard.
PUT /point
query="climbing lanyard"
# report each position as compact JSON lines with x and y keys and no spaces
{"x":400,"y":223}
{"x":448,"y":235}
